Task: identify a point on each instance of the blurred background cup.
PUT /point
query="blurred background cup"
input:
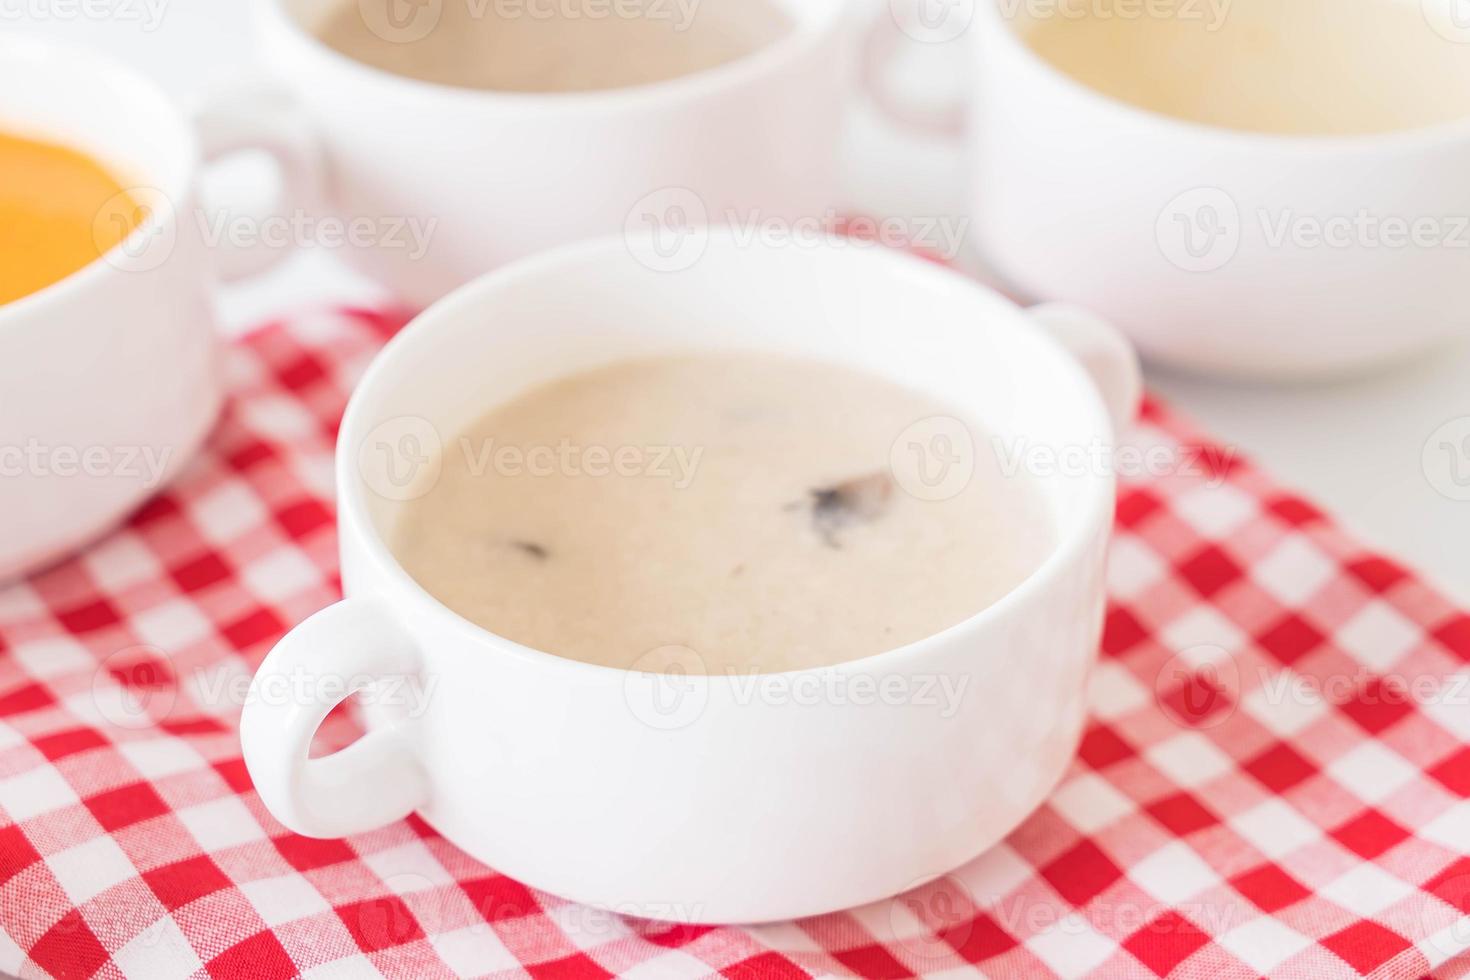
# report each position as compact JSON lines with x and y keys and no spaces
{"x":502,"y":174}
{"x":109,"y":378}
{"x":1218,"y":251}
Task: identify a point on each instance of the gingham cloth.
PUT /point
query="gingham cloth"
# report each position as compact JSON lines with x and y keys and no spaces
{"x":1273,"y":782}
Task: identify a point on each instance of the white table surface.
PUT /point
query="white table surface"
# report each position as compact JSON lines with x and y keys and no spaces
{"x":1355,"y":446}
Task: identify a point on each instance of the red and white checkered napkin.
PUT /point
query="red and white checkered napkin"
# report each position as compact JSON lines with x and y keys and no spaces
{"x":1274,"y":781}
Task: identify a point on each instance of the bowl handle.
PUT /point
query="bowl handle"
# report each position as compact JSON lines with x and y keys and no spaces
{"x":1105,"y":354}
{"x":259,"y":115}
{"x":378,"y":779}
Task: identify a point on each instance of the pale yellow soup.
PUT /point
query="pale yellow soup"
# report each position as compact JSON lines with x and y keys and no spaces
{"x":1275,"y":66}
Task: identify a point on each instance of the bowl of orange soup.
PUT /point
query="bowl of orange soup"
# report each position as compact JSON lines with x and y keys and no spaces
{"x":109,"y":374}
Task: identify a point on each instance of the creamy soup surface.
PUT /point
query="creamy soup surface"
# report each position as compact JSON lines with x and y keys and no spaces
{"x":743,"y":507}
{"x":553,"y":45}
{"x":1278,"y":66}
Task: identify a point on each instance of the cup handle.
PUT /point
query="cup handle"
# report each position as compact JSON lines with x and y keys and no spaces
{"x":880,"y":47}
{"x":262,"y":115}
{"x":1105,"y":353}
{"x":373,"y":782}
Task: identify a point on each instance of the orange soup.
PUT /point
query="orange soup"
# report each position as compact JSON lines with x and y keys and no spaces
{"x":60,"y":210}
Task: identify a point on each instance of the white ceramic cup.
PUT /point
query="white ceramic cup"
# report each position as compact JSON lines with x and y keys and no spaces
{"x":1173,"y":230}
{"x":676,"y":796}
{"x":109,"y":378}
{"x":496,"y":176}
